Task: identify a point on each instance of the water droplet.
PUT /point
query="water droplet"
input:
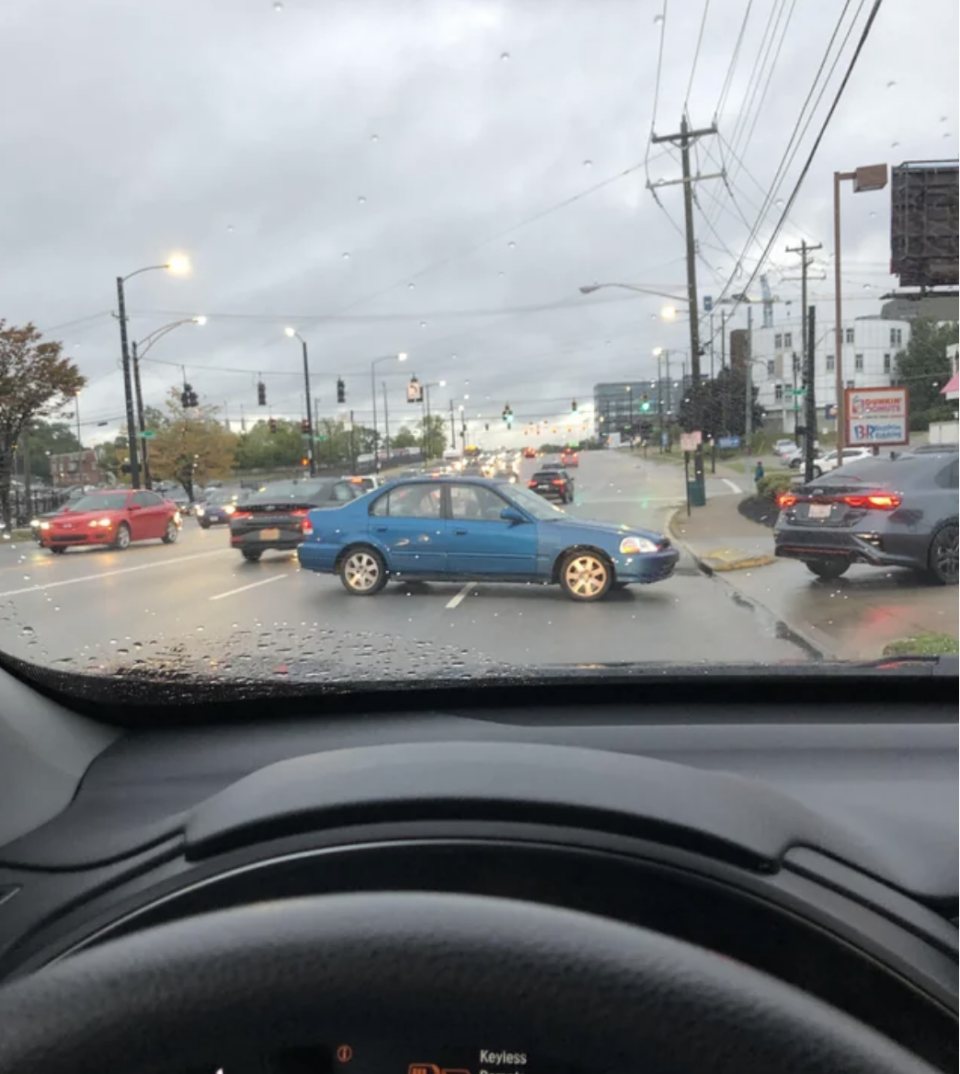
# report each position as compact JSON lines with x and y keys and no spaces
{"x":200,"y":628}
{"x":361,"y":200}
{"x":504,"y":57}
{"x":277,"y":6}
{"x":893,"y":145}
{"x":511,"y":245}
{"x":26,"y":577}
{"x":502,"y":273}
{"x":657,"y":19}
{"x":27,"y":632}
{"x":891,"y":83}
{"x":230,"y":229}
{"x":411,"y":286}
{"x":589,"y":164}
{"x":374,"y":137}
{"x":345,"y":255}
{"x":423,"y":324}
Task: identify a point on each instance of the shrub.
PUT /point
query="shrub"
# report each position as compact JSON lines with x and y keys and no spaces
{"x":770,"y":486}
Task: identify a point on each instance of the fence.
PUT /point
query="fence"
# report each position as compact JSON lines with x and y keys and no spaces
{"x":24,"y":507}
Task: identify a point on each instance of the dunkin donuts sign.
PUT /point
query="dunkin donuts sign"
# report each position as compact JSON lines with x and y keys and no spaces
{"x":877,"y":416}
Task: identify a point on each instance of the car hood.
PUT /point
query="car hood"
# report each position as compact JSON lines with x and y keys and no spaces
{"x":575,"y":528}
{"x":82,"y":517}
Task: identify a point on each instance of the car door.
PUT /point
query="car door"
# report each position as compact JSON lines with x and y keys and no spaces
{"x":137,"y":516}
{"x":407,"y":524}
{"x":482,"y":544}
{"x":153,"y":513}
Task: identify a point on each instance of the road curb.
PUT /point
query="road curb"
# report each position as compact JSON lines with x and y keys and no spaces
{"x":784,"y":629}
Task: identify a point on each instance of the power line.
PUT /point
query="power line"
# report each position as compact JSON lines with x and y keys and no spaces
{"x":696,"y":53}
{"x":728,"y":80}
{"x":865,"y":33}
{"x":749,"y":92}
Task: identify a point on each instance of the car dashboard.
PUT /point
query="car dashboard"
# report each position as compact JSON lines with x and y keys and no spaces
{"x":816,"y":843}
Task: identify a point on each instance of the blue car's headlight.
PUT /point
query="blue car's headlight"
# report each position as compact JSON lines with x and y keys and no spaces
{"x":633,"y":546}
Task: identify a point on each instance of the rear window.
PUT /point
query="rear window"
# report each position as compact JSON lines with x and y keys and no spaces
{"x":901,"y":471}
{"x":549,"y":473}
{"x":291,"y":492}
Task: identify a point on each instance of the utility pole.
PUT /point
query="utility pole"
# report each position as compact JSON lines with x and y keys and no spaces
{"x":141,"y":422}
{"x":748,"y":386}
{"x":803,"y":249}
{"x":453,"y":427}
{"x":685,"y":139}
{"x":386,"y":422}
{"x":353,"y":447}
{"x":810,"y":324}
{"x":132,"y":446}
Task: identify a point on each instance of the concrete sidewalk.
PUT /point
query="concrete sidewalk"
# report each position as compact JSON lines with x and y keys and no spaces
{"x":849,"y":618}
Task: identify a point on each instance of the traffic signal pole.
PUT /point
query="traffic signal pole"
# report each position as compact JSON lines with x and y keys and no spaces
{"x":311,"y":446}
{"x":133,"y":443}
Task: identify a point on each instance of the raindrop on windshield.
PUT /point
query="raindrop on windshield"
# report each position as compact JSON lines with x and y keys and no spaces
{"x":504,"y":57}
{"x":361,"y":200}
{"x":374,"y":137}
{"x":423,"y":324}
{"x":588,"y":163}
{"x":345,"y":255}
{"x":411,"y":286}
{"x":511,"y":245}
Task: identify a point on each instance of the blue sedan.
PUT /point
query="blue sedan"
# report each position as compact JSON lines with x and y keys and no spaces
{"x":473,"y":529}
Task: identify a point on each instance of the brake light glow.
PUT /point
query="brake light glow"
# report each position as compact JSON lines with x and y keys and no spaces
{"x":786,"y":499}
{"x":880,"y":501}
{"x":558,"y":481}
{"x":531,"y":484}
{"x":240,"y":514}
{"x":306,"y":527}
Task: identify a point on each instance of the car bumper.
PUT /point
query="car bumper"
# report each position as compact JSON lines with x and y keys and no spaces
{"x":286,"y":542}
{"x":318,"y":557}
{"x":863,"y":547}
{"x":648,"y":568}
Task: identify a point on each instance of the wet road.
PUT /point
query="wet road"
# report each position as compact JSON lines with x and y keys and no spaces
{"x":198,"y":605}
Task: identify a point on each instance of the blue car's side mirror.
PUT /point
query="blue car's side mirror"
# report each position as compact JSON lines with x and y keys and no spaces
{"x":511,"y":514}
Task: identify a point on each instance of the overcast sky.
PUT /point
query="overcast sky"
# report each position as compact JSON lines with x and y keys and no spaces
{"x":434,"y":177}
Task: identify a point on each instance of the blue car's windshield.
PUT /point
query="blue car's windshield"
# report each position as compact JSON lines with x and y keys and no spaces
{"x":541,"y":509}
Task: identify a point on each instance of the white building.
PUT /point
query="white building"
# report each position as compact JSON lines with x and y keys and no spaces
{"x":869,"y":361}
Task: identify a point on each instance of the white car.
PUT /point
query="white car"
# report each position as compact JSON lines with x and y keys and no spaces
{"x":831,"y":460}
{"x":784,"y":447}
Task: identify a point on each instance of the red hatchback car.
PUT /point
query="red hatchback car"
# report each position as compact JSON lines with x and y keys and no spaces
{"x":114,"y":518}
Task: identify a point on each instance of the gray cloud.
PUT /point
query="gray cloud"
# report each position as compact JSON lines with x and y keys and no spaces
{"x":267,"y":145}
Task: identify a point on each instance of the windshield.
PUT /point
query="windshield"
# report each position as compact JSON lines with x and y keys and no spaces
{"x":676,"y":259}
{"x":100,"y":501}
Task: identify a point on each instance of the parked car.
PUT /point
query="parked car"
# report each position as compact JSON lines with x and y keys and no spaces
{"x":794,"y":459}
{"x":886,"y":512}
{"x":455,"y":528}
{"x":784,"y":447}
{"x":832,"y":460}
{"x":115,"y":518}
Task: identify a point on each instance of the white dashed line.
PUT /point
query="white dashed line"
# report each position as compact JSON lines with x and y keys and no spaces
{"x":732,"y":485}
{"x":454,"y":601}
{"x":172,"y":562}
{"x":252,"y":585}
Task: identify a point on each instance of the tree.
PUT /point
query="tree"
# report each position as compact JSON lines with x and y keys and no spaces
{"x":111,"y":458}
{"x":723,"y":402}
{"x":404,"y":438}
{"x":924,"y":368}
{"x":191,"y":446}
{"x":432,"y":436}
{"x":46,"y":438}
{"x":36,"y":381}
{"x":260,"y":449}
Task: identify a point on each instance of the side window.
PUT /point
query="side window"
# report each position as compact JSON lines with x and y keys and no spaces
{"x":146,"y":499}
{"x":475,"y":503}
{"x":409,"y":501}
{"x":949,"y":476}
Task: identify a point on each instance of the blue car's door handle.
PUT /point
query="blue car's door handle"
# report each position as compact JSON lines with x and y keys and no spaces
{"x":460,"y":533}
{"x":380,"y":529}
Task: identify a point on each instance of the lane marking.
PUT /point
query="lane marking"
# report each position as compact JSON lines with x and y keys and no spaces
{"x":110,"y":574}
{"x":252,"y":585}
{"x":732,"y":485}
{"x":454,"y":601}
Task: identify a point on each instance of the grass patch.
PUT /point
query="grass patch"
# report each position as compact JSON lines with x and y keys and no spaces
{"x":926,"y":644}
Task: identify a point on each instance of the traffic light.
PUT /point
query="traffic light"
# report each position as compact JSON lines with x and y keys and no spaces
{"x":188,"y":397}
{"x":507,"y":415}
{"x":645,"y":403}
{"x":304,"y":462}
{"x":414,"y":391}
{"x":305,"y":426}
{"x":261,"y":394}
{"x":573,"y":406}
{"x":341,"y":390}
{"x":272,"y":425}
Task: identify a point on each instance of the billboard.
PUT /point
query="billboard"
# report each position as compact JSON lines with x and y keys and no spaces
{"x":876,"y":416}
{"x":924,"y":246}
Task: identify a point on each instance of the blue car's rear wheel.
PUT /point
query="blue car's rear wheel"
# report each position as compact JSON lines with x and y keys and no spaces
{"x":585,"y":576}
{"x":362,"y":571}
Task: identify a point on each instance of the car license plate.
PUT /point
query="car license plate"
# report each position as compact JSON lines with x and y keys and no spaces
{"x":819,"y":510}
{"x":269,"y":535}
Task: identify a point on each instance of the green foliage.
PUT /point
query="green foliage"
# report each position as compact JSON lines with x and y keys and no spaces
{"x":432,"y":434}
{"x":404,"y":438}
{"x":46,"y":438}
{"x":723,"y":402}
{"x":191,"y":446}
{"x":924,"y":368}
{"x":770,"y":486}
{"x":36,"y":381}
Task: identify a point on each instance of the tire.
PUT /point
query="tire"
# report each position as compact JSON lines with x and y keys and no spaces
{"x":585,"y":576}
{"x":828,"y":569}
{"x":172,"y":533}
{"x":57,"y":550}
{"x":122,"y":540}
{"x":942,"y":556}
{"x":363,"y":571}
{"x":204,"y":525}
{"x":251,"y":555}
{"x":817,"y":472}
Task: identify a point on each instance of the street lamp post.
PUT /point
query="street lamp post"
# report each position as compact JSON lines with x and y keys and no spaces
{"x":292,"y":333}
{"x":426,"y":421}
{"x":137,"y":355}
{"x":177,"y":265}
{"x":871,"y":177}
{"x":373,"y":395}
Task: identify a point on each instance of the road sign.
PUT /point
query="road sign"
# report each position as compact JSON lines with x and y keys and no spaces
{"x":708,"y":303}
{"x":830,"y":411}
{"x":690,"y":441}
{"x":728,"y":441}
{"x":148,"y":434}
{"x":876,"y":416}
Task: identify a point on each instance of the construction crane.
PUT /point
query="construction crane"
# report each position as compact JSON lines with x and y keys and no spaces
{"x":768,"y":301}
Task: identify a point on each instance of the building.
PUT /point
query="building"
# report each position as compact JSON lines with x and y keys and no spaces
{"x":869,"y":361}
{"x":75,"y":468}
{"x":624,"y":406}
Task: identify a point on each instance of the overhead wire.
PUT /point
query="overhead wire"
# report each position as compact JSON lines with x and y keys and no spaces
{"x":696,"y":53}
{"x":731,"y":68}
{"x":749,"y":92}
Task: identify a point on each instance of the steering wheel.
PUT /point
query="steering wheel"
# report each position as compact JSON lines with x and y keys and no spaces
{"x":428,"y":969}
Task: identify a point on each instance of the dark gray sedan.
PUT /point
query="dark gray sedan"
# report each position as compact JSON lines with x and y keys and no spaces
{"x":886,"y":512}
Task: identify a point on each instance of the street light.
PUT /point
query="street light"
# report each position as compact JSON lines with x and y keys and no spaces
{"x":401,"y":357}
{"x":292,"y":333}
{"x":871,"y":177}
{"x":588,"y":289}
{"x":138,"y":350}
{"x":179,"y":265}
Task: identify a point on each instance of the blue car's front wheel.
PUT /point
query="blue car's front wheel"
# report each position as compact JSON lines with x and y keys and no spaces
{"x":363,"y":571}
{"x":585,"y":575}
